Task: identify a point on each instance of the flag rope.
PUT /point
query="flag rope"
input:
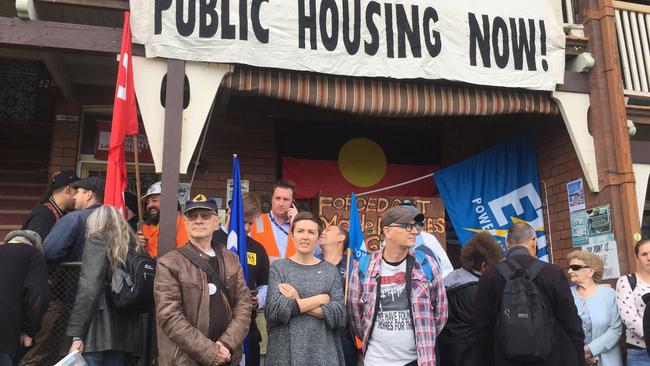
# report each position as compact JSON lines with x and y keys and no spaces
{"x":397,"y":185}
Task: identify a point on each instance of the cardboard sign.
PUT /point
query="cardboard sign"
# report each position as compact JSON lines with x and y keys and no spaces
{"x":335,"y":210}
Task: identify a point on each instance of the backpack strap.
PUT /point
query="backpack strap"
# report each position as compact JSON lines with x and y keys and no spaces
{"x":631,"y":278}
{"x":535,"y":269}
{"x":195,"y":258}
{"x":504,"y":269}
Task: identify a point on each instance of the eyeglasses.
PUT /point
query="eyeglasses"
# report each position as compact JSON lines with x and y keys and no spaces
{"x":204,"y":215}
{"x":577,"y":267}
{"x":408,"y":227}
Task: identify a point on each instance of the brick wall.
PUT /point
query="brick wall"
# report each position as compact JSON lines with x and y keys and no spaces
{"x":63,"y":152}
{"x":248,"y":133}
{"x":558,"y":165}
{"x":65,"y":135}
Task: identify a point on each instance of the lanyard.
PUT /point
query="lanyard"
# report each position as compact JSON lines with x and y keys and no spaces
{"x":277,"y":225}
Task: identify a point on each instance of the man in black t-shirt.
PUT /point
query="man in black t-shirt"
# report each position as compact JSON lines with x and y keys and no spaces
{"x":258,"y":271}
{"x":56,"y":201}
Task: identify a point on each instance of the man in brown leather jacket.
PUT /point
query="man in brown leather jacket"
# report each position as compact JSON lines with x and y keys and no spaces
{"x":201,"y":320}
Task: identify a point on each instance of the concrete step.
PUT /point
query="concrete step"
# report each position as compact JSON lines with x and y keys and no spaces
{"x":12,"y":188}
{"x":9,"y":202}
{"x":36,"y":164}
{"x":13,"y":217}
{"x":24,"y":154}
{"x":23,"y":176}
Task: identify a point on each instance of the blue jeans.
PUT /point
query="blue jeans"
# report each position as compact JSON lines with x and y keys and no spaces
{"x":637,"y":357}
{"x":105,"y":358}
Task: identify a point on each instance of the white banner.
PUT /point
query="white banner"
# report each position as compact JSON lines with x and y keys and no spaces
{"x":508,"y":43}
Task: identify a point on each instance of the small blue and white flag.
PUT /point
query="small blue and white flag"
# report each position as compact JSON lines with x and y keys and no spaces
{"x":357,"y":242}
{"x":237,"y":231}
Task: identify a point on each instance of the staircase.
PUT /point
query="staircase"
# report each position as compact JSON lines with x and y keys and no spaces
{"x":24,"y":161}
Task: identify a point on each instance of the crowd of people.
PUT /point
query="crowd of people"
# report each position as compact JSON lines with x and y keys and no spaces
{"x":401,"y":305}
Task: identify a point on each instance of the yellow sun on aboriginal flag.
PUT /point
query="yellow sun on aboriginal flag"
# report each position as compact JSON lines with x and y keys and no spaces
{"x":362,"y":162}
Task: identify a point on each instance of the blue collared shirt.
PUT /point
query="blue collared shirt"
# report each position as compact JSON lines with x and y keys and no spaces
{"x":281,"y":234}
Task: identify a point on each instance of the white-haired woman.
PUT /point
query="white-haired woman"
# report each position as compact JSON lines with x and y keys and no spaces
{"x":101,"y":333}
{"x":597,"y":308}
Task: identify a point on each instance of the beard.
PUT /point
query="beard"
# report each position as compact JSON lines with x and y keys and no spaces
{"x":153,"y":216}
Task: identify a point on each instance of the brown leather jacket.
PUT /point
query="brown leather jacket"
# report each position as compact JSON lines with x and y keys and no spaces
{"x":183,"y":305}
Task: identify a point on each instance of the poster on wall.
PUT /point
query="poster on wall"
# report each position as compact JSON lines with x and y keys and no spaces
{"x":576,"y":193}
{"x":599,"y":220}
{"x":605,"y":247}
{"x":245,"y":183}
{"x":579,"y":230}
{"x":104,"y":136}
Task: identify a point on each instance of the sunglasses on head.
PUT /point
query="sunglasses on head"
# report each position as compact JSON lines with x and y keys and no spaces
{"x":577,"y":267}
{"x":204,"y":215}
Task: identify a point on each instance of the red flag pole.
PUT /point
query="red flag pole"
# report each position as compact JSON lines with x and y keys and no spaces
{"x":136,"y":160}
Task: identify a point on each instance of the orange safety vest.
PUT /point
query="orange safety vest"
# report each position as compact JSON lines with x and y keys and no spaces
{"x":151,"y":231}
{"x":262,"y":231}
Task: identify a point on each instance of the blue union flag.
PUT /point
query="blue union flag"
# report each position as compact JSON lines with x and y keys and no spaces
{"x":494,"y":189}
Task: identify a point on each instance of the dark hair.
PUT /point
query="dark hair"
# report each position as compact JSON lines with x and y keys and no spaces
{"x":251,"y":205}
{"x":99,"y":196}
{"x":50,"y":190}
{"x":346,"y":241}
{"x":286,"y":184}
{"x":307,"y":216}
{"x":638,"y":245}
{"x":481,"y":248}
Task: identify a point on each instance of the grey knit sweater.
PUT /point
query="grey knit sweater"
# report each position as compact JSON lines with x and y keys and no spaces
{"x":300,"y":339}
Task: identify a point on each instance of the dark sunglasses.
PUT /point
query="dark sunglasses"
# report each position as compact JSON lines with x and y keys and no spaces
{"x":577,"y":267}
{"x":204,"y":215}
{"x":409,"y":226}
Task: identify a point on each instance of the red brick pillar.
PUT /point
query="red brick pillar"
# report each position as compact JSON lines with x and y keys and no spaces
{"x":607,"y":119}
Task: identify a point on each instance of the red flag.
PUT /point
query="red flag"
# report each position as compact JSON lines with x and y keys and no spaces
{"x":125,"y":122}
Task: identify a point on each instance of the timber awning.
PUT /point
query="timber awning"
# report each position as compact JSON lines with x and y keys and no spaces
{"x":386,"y":98}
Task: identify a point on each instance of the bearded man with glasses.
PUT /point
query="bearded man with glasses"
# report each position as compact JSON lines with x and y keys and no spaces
{"x":203,"y":306}
{"x":396,"y":299}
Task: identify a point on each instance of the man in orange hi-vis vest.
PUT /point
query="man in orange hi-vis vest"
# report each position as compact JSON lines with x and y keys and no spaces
{"x":148,"y":234}
{"x":272,"y":229}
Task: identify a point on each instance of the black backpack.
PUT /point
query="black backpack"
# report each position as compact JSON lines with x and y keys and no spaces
{"x":131,"y":286}
{"x":525,"y":326}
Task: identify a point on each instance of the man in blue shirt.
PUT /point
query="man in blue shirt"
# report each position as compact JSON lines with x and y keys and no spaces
{"x":66,"y":240}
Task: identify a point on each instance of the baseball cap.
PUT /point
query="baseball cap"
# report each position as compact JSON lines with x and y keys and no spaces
{"x":200,"y":202}
{"x":63,"y":178}
{"x":95,"y":184}
{"x":155,"y":188}
{"x":400,"y":215}
{"x":411,"y":207}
